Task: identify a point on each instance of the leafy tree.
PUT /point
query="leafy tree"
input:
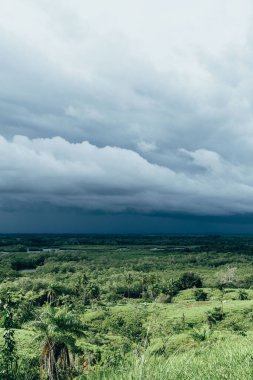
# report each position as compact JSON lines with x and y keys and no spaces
{"x":57,"y":332}
{"x":9,"y":357}
{"x":82,"y":282}
{"x":127,"y":324}
{"x":189,"y":280}
{"x":91,"y":293}
{"x":171,"y":289}
{"x":53,"y":292}
{"x":129,"y":280}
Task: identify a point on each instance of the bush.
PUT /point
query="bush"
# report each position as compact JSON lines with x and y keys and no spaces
{"x":236,"y":326}
{"x":189,"y":280}
{"x":200,"y":295}
{"x":201,"y":335}
{"x":129,"y":325}
{"x":215,"y":315}
{"x":243,"y":295}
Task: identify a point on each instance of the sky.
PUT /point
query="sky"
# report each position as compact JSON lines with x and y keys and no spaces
{"x":126,"y":116}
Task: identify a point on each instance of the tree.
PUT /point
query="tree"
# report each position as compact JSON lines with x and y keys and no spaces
{"x":58,"y":330}
{"x":53,"y":291}
{"x":91,"y":293}
{"x":129,"y":280}
{"x":144,"y":284}
{"x":171,"y":288}
{"x":189,"y":280}
{"x":227,"y":277}
{"x":9,"y":355}
{"x":82,"y":282}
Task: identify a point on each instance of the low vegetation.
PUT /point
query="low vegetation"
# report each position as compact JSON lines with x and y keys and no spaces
{"x":126,"y":307}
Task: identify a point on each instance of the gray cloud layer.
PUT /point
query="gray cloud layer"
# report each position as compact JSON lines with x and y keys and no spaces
{"x":114,"y":179}
{"x":154,"y":113}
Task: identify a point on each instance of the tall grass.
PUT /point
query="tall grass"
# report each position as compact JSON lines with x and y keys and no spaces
{"x":231,"y":359}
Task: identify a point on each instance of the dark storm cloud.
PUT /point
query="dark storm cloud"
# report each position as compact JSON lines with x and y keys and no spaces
{"x":154,"y":116}
{"x":84,"y":176}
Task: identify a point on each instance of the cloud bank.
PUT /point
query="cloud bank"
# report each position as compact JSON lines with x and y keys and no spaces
{"x":152,"y":105}
{"x":82,"y":175}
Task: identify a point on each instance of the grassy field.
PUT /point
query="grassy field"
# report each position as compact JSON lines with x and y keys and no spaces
{"x":226,"y":358}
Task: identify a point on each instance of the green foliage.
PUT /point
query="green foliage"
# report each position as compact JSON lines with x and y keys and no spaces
{"x":57,"y":332}
{"x":127,"y":324}
{"x":9,"y":357}
{"x":201,"y":335}
{"x":91,"y":293}
{"x":126,"y":307}
{"x":243,"y":295}
{"x":215,"y":315}
{"x":200,"y":295}
{"x":230,"y":359}
{"x":189,"y":280}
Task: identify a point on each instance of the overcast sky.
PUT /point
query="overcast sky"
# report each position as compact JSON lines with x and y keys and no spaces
{"x":126,"y":116}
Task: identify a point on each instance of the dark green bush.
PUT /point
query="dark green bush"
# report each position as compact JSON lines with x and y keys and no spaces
{"x":215,"y":315}
{"x":243,"y":295}
{"x":189,"y":280}
{"x":200,"y":295}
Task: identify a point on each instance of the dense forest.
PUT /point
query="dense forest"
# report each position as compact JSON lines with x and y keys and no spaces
{"x":126,"y":307}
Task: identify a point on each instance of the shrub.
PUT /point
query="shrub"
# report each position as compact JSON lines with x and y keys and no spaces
{"x":201,"y":335}
{"x":200,"y":295}
{"x":215,"y":315}
{"x":237,"y":327}
{"x":243,"y":295}
{"x":189,"y":280}
{"x":130,"y":325}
